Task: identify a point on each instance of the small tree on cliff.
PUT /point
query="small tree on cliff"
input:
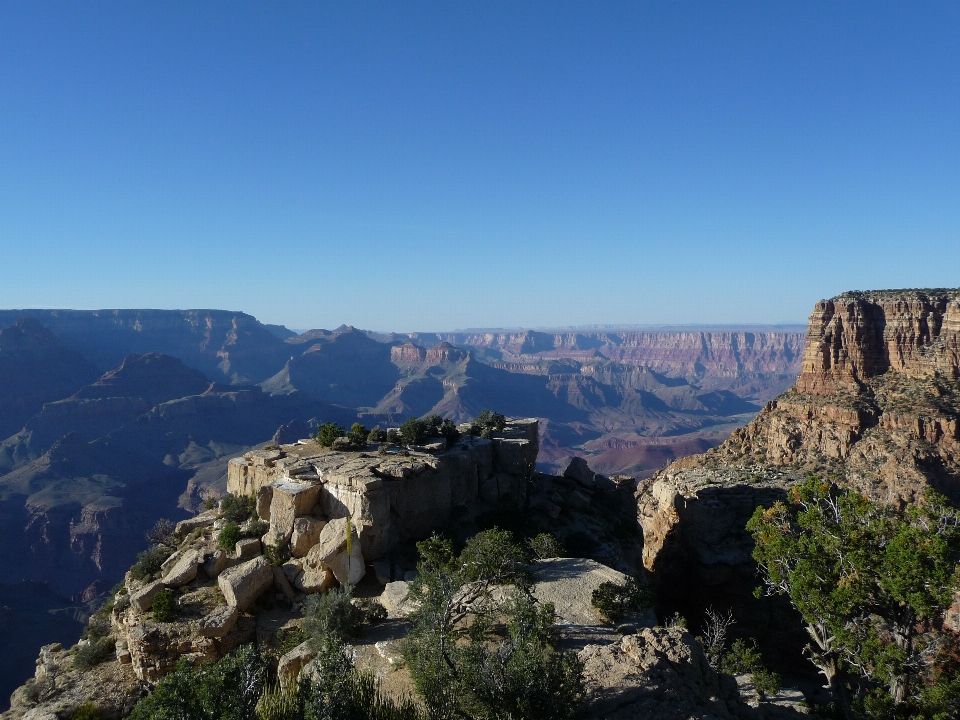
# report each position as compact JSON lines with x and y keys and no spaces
{"x":870,"y":582}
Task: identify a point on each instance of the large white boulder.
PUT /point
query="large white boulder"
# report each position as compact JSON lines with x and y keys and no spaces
{"x":184,"y":570}
{"x":242,"y":584}
{"x":291,"y":499}
{"x":219,"y":621}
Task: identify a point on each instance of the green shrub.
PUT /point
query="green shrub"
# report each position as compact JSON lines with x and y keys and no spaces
{"x":491,"y":669}
{"x":209,"y":503}
{"x":358,"y":436}
{"x":377,"y":435}
{"x":86,"y":711}
{"x":415,"y":432}
{"x":229,"y":536}
{"x":256,"y":529}
{"x":149,"y":562}
{"x":238,"y":508}
{"x":394,"y":437}
{"x":545,"y":546}
{"x":288,"y":638}
{"x":744,"y":658}
{"x":332,"y":615}
{"x":328,"y":432}
{"x":487,"y":423}
{"x":615,"y":601}
{"x":164,"y":606}
{"x":92,"y":652}
{"x":228,"y":689}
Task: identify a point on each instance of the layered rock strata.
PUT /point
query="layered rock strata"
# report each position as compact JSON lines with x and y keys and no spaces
{"x":877,"y":402}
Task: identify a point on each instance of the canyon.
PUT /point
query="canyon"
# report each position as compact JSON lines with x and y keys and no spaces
{"x":115,"y":418}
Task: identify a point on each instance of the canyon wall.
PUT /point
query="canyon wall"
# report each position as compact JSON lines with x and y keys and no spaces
{"x":694,"y":354}
{"x":875,"y":408}
{"x":876,"y":403}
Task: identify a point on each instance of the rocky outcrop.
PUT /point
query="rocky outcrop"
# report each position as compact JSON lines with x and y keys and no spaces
{"x":875,"y":408}
{"x":662,"y":674}
{"x":697,"y":548}
{"x":393,"y":497}
{"x":877,"y":402}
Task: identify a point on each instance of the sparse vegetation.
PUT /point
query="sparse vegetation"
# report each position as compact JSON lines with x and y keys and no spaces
{"x":149,"y":562}
{"x":237,"y":508}
{"x":162,"y":533}
{"x":358,"y":436}
{"x":714,"y":637}
{"x":484,"y":670}
{"x":86,"y":711}
{"x":746,"y":658}
{"x":328,"y":432}
{"x":256,"y":529}
{"x":90,"y":652}
{"x":545,"y":546}
{"x":332,"y":615}
{"x":377,"y":435}
{"x":487,"y":423}
{"x":277,"y":552}
{"x":164,"y":606}
{"x":617,"y":601}
{"x":229,"y":536}
{"x":418,"y":431}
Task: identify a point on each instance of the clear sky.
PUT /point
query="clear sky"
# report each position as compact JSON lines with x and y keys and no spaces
{"x":430,"y":166}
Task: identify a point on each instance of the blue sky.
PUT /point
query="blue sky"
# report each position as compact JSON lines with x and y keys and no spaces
{"x":429,"y":166}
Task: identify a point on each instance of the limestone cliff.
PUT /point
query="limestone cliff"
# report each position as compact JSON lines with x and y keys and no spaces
{"x":876,"y":404}
{"x":391,"y":498}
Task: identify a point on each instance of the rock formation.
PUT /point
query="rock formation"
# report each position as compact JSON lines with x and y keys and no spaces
{"x":876,"y":404}
{"x":390,"y":498}
{"x":875,"y":408}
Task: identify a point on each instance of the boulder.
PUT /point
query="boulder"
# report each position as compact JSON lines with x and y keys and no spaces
{"x":184,"y":570}
{"x":580,"y":472}
{"x":264,"y":498}
{"x":657,"y":674}
{"x":241,"y":585}
{"x":314,"y":581}
{"x":569,"y":583}
{"x":306,"y":533}
{"x":290,"y":665}
{"x":171,"y":561}
{"x":291,"y":499}
{"x":185,"y":527}
{"x":218,"y":622}
{"x":331,"y":552}
{"x":215,"y":564}
{"x":395,"y":599}
{"x":142,"y":599}
{"x":246,"y":549}
{"x":292,"y":568}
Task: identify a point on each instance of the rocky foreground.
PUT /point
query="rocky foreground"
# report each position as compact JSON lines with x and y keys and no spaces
{"x":314,"y":500}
